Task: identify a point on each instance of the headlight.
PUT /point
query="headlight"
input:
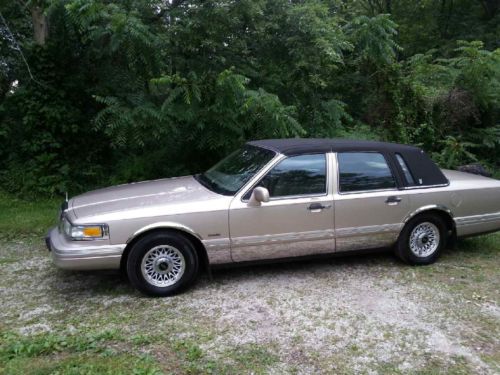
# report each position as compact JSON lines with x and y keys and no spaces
{"x":84,"y":232}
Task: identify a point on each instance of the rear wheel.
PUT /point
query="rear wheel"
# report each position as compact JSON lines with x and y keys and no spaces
{"x":162,"y":263}
{"x":422,"y":239}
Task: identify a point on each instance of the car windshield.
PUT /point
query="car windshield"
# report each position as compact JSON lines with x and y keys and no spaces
{"x":231,"y":173}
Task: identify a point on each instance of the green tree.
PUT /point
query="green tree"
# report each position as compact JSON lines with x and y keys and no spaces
{"x":94,"y":92}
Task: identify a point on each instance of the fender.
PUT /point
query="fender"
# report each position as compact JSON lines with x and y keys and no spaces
{"x":164,"y":225}
{"x":438,"y":207}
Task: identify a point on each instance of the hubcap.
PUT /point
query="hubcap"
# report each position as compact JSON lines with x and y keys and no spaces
{"x":163,"y":265}
{"x":424,"y":239}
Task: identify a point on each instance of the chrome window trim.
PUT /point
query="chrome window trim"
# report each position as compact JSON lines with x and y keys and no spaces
{"x":424,"y":186}
{"x":279,"y":160}
{"x":363,"y":191}
{"x":285,"y":197}
{"x":367,"y":191}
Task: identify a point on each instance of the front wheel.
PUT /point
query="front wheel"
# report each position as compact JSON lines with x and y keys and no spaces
{"x":422,"y":240}
{"x":162,"y":264}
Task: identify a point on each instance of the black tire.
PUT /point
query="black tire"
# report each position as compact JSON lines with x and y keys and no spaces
{"x":162,"y":241}
{"x":420,"y":223}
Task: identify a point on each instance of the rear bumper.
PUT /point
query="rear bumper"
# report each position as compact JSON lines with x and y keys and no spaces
{"x":82,"y":255}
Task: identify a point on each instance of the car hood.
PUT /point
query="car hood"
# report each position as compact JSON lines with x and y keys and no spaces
{"x":143,"y":197}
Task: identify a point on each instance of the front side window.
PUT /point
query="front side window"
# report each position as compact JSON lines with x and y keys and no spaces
{"x":230,"y":174}
{"x":296,"y":176}
{"x":361,"y":171}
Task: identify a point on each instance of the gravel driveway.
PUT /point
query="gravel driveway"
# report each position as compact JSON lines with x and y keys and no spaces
{"x":358,"y":314}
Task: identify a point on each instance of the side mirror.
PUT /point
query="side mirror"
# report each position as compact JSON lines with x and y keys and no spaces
{"x":259,"y":194}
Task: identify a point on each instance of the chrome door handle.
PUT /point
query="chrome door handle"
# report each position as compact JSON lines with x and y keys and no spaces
{"x":393,"y":200}
{"x":318,"y":206}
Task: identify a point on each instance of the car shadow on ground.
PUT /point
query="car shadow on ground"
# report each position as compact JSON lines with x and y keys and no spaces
{"x":115,"y":283}
{"x":312,"y":264}
{"x":108,"y":283}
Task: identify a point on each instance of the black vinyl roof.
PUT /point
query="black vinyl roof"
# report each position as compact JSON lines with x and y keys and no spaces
{"x":297,"y":146}
{"x":423,"y":169}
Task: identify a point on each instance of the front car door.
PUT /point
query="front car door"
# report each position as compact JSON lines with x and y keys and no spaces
{"x":297,"y":220}
{"x":369,"y":208}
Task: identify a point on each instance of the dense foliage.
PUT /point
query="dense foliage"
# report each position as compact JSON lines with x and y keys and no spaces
{"x":94,"y":92}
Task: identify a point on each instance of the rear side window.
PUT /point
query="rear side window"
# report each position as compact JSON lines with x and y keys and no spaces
{"x":296,"y":176}
{"x":360,"y":171}
{"x":409,"y":178}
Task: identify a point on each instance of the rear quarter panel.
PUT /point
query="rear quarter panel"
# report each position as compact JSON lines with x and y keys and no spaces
{"x":474,"y":202}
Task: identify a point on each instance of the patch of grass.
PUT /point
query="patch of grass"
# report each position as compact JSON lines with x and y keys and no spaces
{"x":26,"y":219}
{"x":252,"y":357}
{"x":142,"y":339}
{"x":7,"y":260}
{"x":354,"y":349}
{"x":81,"y":353}
{"x":191,"y":351}
{"x":459,"y":366}
{"x":72,"y":364}
{"x":186,"y":356}
{"x":486,"y":245}
{"x":13,"y":345}
{"x":432,"y":366}
{"x":192,"y":360}
{"x":493,"y":360}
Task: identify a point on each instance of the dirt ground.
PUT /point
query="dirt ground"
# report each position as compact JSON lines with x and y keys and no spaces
{"x":359,"y":314}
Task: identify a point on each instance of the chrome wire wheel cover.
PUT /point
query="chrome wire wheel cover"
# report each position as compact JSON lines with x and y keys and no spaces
{"x":163,"y":265}
{"x":424,"y":239}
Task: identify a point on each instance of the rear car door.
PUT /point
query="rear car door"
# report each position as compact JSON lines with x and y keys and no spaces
{"x":369,"y":208}
{"x":297,"y":220}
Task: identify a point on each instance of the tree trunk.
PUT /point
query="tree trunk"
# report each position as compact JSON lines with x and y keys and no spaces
{"x":40,"y":25}
{"x":490,"y":7}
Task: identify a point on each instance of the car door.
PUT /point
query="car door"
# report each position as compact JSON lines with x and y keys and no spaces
{"x":297,"y":220}
{"x":369,"y":208}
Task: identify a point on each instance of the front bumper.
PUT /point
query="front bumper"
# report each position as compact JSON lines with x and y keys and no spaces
{"x":82,"y":255}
